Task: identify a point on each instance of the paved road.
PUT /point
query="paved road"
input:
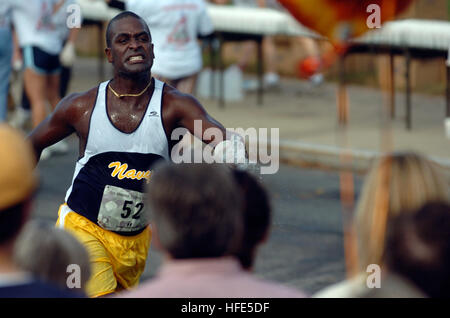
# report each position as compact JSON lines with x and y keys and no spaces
{"x":305,"y":248}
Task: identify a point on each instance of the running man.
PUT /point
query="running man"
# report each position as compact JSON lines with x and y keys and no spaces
{"x":124,"y":126}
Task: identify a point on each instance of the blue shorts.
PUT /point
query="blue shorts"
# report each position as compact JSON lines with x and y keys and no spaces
{"x":40,"y":61}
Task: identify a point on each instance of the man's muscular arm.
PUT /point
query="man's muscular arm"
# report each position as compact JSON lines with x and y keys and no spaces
{"x":183,"y":110}
{"x":70,"y":115}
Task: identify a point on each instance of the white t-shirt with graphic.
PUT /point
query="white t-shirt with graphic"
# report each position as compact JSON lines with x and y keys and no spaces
{"x":174,"y":26}
{"x":38,"y":23}
{"x":60,"y":18}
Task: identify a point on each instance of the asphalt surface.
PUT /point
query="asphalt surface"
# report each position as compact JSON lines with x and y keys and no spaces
{"x":305,"y":247}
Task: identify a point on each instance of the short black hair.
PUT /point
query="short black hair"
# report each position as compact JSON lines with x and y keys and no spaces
{"x":418,"y":248}
{"x":257,"y":215}
{"x":118,"y":17}
{"x":11,"y":221}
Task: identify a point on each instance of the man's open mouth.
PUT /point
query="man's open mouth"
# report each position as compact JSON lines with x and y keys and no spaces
{"x":136,"y":58}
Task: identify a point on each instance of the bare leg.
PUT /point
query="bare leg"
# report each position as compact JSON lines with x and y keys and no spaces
{"x":310,"y":46}
{"x":35,"y":87}
{"x":53,"y":90}
{"x":312,"y":51}
{"x":270,"y":54}
{"x":187,"y":84}
{"x":271,"y":78}
{"x":248,"y":49}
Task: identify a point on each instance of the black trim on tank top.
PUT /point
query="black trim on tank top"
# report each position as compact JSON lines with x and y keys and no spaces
{"x":162,"y":121}
{"x":126,"y":233}
{"x":89,"y":125}
{"x":143,"y":116}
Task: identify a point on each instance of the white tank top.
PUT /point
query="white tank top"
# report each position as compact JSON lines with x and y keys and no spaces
{"x":115,"y":161}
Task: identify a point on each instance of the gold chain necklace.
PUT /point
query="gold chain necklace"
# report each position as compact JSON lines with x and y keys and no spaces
{"x":129,"y":95}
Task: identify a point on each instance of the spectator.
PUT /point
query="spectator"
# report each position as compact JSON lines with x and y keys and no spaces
{"x":418,"y":250}
{"x":175,"y":26}
{"x":396,"y":183}
{"x":17,"y":185}
{"x":47,"y":252}
{"x":310,"y":67}
{"x":38,"y":26}
{"x":66,"y":57}
{"x":198,"y":224}
{"x":271,"y":77}
{"x":257,"y":217}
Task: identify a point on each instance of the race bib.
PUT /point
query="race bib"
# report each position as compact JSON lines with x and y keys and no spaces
{"x":122,"y":210}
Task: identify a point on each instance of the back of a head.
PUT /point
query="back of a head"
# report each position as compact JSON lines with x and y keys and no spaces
{"x":196,"y":209}
{"x":257,"y":216}
{"x":17,"y":181}
{"x":47,"y":252}
{"x":396,"y":183}
{"x":418,"y":248}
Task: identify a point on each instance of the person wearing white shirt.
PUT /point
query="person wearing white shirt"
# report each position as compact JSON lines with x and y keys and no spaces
{"x":66,"y":57}
{"x":38,"y":27}
{"x":175,"y":25}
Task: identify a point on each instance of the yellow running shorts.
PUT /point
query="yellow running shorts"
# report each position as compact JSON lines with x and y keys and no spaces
{"x":117,"y":261}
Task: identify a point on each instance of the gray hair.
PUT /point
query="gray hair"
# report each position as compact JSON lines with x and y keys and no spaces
{"x":46,"y":252}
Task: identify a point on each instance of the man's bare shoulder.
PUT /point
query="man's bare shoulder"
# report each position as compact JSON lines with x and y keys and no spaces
{"x":172,"y":95}
{"x":76,"y":106}
{"x":80,"y":101}
{"x":176,"y":101}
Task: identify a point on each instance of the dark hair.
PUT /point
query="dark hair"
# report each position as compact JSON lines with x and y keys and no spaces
{"x":11,"y":221}
{"x":196,"y":209}
{"x":418,"y":248}
{"x":118,"y":17}
{"x":257,"y":216}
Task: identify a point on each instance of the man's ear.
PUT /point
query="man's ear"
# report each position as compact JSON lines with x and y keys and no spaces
{"x":152,"y":50}
{"x":109,"y":55}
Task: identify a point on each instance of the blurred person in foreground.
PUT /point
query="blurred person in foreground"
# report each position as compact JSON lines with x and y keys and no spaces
{"x":197,"y":219}
{"x":124,"y":126}
{"x":417,"y":254}
{"x":51,"y":254}
{"x":397,"y":183}
{"x":17,"y":185}
{"x":257,"y":214}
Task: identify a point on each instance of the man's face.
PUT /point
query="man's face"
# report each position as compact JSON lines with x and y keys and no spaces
{"x":131,"y":50}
